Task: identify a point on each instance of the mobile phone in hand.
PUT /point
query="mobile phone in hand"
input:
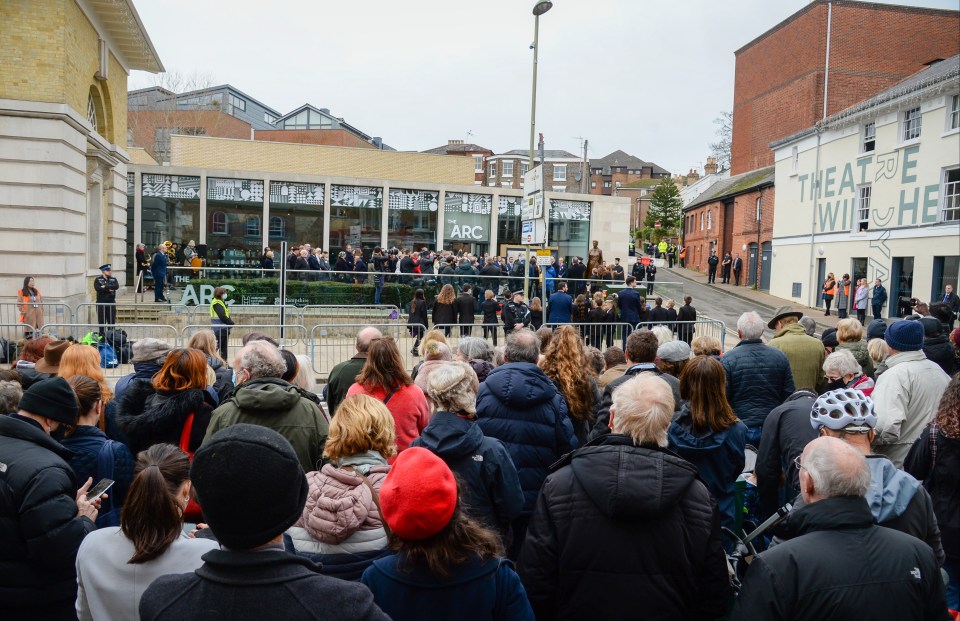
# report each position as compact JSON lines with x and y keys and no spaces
{"x":99,"y":489}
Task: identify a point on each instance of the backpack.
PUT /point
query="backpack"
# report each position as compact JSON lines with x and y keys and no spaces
{"x":111,"y":516}
{"x":108,"y":356}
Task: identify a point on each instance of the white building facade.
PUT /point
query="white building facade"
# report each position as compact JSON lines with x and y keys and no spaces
{"x":874,"y":192}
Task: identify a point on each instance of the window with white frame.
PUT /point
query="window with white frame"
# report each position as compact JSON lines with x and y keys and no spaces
{"x":278,"y":227}
{"x":701,"y":220}
{"x":507,"y":168}
{"x":559,"y":172}
{"x":559,"y":188}
{"x":524,"y":168}
{"x":709,"y":220}
{"x":478,"y":163}
{"x":953,"y":112}
{"x":911,"y":124}
{"x":218,"y":223}
{"x":950,"y":196}
{"x":593,"y":184}
{"x":492,"y":169}
{"x":869,"y":137}
{"x":864,"y":193}
{"x":607,"y":184}
{"x":253,"y":226}
{"x":506,"y":184}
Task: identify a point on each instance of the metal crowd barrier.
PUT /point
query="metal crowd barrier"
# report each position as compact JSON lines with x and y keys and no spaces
{"x":12,"y":340}
{"x":135,"y":332}
{"x":376,"y":312}
{"x":492,"y":333}
{"x":331,"y":344}
{"x":292,"y":337}
{"x":53,"y":312}
{"x":238,"y":312}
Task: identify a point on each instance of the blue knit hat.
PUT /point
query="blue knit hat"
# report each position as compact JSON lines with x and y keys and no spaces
{"x":905,"y":336}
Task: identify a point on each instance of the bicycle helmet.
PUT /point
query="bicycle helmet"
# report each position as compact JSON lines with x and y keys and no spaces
{"x":839,"y":409}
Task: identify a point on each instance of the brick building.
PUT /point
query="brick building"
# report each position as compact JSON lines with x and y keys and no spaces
{"x":620,"y":169}
{"x":735,"y":215}
{"x":466,"y":149}
{"x":781,"y":79}
{"x":562,"y":170}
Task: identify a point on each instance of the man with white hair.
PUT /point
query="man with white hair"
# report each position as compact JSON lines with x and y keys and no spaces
{"x":262,"y":398}
{"x":624,"y":523}
{"x":840,"y":565}
{"x":345,"y":373}
{"x":758,"y":376}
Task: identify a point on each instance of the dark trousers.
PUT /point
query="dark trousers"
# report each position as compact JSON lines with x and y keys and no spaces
{"x":158,"y":289}
{"x":649,"y":287}
{"x":877,"y":310}
{"x":490,"y":331}
{"x":223,"y":337}
{"x":106,"y":315}
{"x":712,"y":275}
{"x":826,"y":302}
{"x":736,"y":278}
{"x":862,"y":315}
{"x":725,"y":276}
{"x":842,"y":313}
{"x":670,"y":260}
{"x":466,"y":330}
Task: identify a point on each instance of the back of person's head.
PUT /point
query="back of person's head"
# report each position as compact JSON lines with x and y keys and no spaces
{"x":10,"y":393}
{"x":453,"y":387}
{"x":535,"y":305}
{"x":612,"y":356}
{"x":435,"y":350}
{"x":365,"y":336}
{"x":687,"y":299}
{"x":384,"y":366}
{"x":750,"y":325}
{"x":184,"y":369}
{"x":706,"y":345}
{"x":498,"y":356}
{"x":235,"y":475}
{"x":522,"y":346}
{"x":595,"y":358}
{"x":849,"y":330}
{"x":206,"y":342}
{"x":261,"y":359}
{"x":33,"y":348}
{"x":9,"y":375}
{"x":809,"y":324}
{"x":250,"y":337}
{"x":840,"y":363}
{"x":293,"y":366}
{"x":832,"y":468}
{"x":703,"y":383}
{"x":431,"y":336}
{"x":474,"y":348}
{"x":88,"y":393}
{"x":642,"y":409}
{"x":941,"y":312}
{"x":152,"y":516}
{"x":420,"y":502}
{"x":84,"y":360}
{"x":544,"y":335}
{"x":663,"y":333}
{"x":642,"y":346}
{"x":304,"y":378}
{"x":948,"y":411}
{"x":362,"y":424}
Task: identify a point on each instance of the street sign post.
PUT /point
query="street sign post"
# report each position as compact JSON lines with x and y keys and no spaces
{"x":533,"y":228}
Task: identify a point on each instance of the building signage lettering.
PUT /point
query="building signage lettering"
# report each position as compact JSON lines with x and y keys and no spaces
{"x":194,"y":297}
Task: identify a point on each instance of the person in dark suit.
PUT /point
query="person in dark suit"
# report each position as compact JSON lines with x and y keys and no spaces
{"x":466,"y":309}
{"x":651,"y":276}
{"x":629,"y":301}
{"x":737,"y":270}
{"x":685,"y":318}
{"x":576,"y":273}
{"x":712,"y":264}
{"x":953,"y":301}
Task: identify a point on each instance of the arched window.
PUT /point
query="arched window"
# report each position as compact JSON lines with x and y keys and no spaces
{"x":253,"y":226}
{"x":218,"y":223}
{"x":92,"y":112}
{"x":278,"y":227}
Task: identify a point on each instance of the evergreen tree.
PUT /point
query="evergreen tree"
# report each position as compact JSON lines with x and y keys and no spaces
{"x":666,"y":207}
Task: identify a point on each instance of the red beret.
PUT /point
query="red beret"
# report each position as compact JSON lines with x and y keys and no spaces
{"x":419,"y":495}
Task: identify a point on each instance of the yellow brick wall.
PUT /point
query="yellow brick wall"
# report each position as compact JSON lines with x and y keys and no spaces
{"x":50,"y":53}
{"x":32,"y":34}
{"x":219,"y":153}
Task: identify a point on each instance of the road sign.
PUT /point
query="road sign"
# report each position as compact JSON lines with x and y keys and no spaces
{"x":533,"y":232}
{"x":544,"y":257}
{"x":656,"y":224}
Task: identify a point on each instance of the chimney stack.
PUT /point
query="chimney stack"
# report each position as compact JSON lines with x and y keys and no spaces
{"x":711,"y":166}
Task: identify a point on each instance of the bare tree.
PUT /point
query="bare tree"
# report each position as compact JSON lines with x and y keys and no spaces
{"x":722,"y":147}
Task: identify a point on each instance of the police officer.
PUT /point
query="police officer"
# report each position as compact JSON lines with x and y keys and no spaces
{"x":651,"y":277}
{"x":106,"y":287}
{"x":515,"y":313}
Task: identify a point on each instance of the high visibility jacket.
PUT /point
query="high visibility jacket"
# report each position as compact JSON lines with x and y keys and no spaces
{"x":216,"y":301}
{"x":830,"y":287}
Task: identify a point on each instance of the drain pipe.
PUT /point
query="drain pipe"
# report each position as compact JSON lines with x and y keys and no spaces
{"x":816,"y":179}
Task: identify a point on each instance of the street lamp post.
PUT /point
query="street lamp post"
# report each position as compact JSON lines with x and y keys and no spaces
{"x":541,"y":7}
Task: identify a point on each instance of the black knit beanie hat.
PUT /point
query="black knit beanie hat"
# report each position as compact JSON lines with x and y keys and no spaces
{"x":52,"y":398}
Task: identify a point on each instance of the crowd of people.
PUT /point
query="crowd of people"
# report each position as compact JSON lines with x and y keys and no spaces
{"x":555,"y":476}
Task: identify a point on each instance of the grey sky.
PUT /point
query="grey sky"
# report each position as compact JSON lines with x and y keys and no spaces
{"x":646,"y":77}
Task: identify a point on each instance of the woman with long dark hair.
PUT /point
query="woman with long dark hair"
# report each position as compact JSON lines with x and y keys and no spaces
{"x":446,"y":565}
{"x":115,"y":565}
{"x":445,"y":309}
{"x":384,"y":377}
{"x":417,"y":319}
{"x":159,"y":411}
{"x":565,"y":363}
{"x":708,"y":434}
{"x":31,"y":312}
{"x":93,"y":454}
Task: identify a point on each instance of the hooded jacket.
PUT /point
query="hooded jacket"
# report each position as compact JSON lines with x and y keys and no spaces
{"x":475,"y":590}
{"x":758,"y":380}
{"x":148,"y":417}
{"x":40,"y":530}
{"x":939,"y":350}
{"x":718,"y":456}
{"x":624,"y":532}
{"x":521,"y":407}
{"x":839,"y":565}
{"x":85,"y":444}
{"x":489,"y":485}
{"x":905,"y":400}
{"x":275,"y":404}
{"x":935,"y":459}
{"x":142,"y":372}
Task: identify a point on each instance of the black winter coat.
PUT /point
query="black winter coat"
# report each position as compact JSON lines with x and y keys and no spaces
{"x":268,"y":584}
{"x":148,"y":417}
{"x":466,"y":308}
{"x":40,"y":531}
{"x":602,"y":426}
{"x":758,"y":379}
{"x":489,"y":484}
{"x":940,"y":350}
{"x":935,"y":460}
{"x":839,"y":566}
{"x":490,"y":308}
{"x":624,"y":532}
{"x":786,"y":432}
{"x":444,"y":314}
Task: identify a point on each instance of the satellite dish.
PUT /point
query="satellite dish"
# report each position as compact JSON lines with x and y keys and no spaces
{"x":578,"y":176}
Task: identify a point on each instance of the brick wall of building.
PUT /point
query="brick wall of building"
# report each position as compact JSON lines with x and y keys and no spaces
{"x":779,"y":76}
{"x":331,"y":137}
{"x":33,"y":36}
{"x":145,"y":123}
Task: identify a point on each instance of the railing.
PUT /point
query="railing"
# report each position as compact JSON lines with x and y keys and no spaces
{"x":201,"y":312}
{"x":12,"y":340}
{"x":293,"y":337}
{"x":56,"y":312}
{"x":332,"y":344}
{"x":135,"y":332}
